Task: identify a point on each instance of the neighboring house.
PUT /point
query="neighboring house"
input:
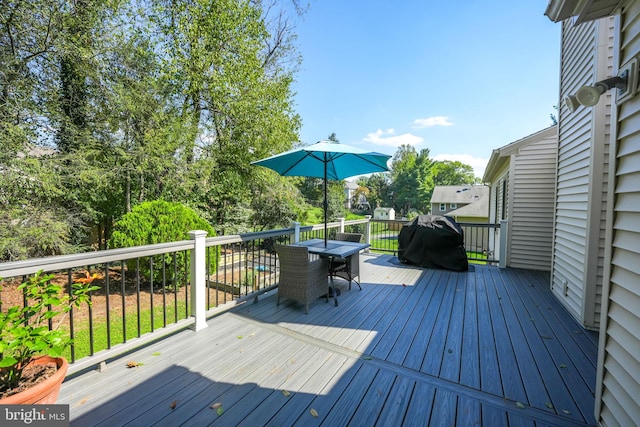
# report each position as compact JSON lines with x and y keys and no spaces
{"x":449,"y":199}
{"x":476,"y":212}
{"x":349,"y":192}
{"x":384,"y":213}
{"x":464,"y":203}
{"x":522,"y":177}
{"x":597,"y":219}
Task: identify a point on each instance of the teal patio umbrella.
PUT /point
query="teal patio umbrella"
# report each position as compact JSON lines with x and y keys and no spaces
{"x":326,"y":160}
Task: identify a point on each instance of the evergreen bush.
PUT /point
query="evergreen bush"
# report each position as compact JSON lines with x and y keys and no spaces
{"x":161,"y":222}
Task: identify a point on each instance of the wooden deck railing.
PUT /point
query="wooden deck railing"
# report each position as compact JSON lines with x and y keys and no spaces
{"x":147,"y":292}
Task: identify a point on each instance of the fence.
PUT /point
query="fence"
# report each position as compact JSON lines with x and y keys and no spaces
{"x":147,"y":292}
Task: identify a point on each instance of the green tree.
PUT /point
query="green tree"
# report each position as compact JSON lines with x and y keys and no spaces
{"x":410,"y":170}
{"x":233,"y":86}
{"x":159,"y":99}
{"x":448,"y":172}
{"x":29,"y":34}
{"x":275,"y":203}
{"x":34,"y":221}
{"x":380,"y":189}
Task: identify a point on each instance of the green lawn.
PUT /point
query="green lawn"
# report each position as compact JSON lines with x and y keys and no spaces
{"x":386,"y":244}
{"x":82,"y":328}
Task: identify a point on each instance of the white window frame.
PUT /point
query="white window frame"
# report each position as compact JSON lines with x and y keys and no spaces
{"x":443,"y":207}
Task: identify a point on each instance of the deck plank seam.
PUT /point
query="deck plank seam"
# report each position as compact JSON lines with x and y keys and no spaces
{"x":484,"y":398}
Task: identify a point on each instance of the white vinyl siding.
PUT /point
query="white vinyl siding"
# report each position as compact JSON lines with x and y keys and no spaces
{"x":532,"y":200}
{"x":580,"y":201}
{"x":619,"y":362}
{"x":495,"y":208}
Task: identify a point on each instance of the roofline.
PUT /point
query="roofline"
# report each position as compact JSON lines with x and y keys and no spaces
{"x":498,"y":156}
{"x":583,"y":10}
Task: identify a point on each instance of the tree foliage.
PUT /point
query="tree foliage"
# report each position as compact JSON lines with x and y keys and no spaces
{"x":135,"y":101}
{"x":141,"y":101}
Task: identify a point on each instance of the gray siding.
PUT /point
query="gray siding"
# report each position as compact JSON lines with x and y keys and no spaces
{"x":619,"y":364}
{"x":531,"y":212}
{"x":580,"y":202}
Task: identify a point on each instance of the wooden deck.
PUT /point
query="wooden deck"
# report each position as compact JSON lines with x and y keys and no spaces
{"x":415,"y":347}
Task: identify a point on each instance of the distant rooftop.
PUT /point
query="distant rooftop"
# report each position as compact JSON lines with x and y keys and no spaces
{"x":460,"y":194}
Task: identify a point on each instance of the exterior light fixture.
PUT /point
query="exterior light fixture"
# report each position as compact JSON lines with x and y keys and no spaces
{"x":626,"y":83}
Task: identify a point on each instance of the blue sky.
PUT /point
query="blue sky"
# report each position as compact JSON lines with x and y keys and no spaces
{"x":459,"y":80}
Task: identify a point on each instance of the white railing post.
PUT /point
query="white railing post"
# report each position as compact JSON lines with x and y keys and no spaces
{"x":198,"y":279}
{"x":367,"y":231}
{"x":341,"y":224}
{"x":502,"y":260}
{"x":296,"y":231}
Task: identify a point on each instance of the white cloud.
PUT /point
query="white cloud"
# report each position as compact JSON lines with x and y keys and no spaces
{"x":432,"y":121}
{"x":478,"y":164}
{"x":390,"y":139}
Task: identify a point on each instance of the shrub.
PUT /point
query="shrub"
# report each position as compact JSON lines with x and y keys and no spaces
{"x":160,"y":222}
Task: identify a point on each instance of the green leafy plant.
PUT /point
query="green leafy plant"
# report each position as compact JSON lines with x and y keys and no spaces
{"x":160,"y":222}
{"x":25,"y":332}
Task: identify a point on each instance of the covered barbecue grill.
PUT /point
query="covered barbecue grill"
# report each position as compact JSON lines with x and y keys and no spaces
{"x":433,"y":241}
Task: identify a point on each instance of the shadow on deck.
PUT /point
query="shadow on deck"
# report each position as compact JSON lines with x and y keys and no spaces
{"x":414,"y":347}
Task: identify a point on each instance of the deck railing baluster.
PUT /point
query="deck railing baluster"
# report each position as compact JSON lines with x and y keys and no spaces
{"x":124,"y":302}
{"x":107,"y":303}
{"x":246,"y":266}
{"x":138,"y":296}
{"x":71,"y":330}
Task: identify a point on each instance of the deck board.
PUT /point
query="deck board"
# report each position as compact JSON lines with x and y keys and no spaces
{"x":413,"y":347}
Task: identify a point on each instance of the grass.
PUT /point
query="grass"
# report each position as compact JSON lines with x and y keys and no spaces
{"x":316,"y":216}
{"x":478,"y":258}
{"x":386,"y":244}
{"x":82,"y":337}
{"x":82,"y":328}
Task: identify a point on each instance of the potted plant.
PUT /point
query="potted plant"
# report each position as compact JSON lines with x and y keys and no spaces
{"x":31,"y":364}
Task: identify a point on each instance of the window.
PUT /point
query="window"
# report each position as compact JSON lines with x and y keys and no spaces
{"x":443,"y":207}
{"x":453,"y":206}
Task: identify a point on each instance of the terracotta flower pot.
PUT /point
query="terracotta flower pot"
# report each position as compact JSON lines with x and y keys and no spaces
{"x":45,"y":392}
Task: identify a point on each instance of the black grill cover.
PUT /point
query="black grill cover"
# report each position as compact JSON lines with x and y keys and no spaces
{"x":433,"y":241}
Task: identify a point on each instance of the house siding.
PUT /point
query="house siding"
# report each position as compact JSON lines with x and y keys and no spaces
{"x":618,"y":379}
{"x":580,"y":201}
{"x":496,"y":203}
{"x":532,"y":204}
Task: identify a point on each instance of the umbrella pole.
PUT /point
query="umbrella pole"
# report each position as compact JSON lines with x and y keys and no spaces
{"x":326,"y":203}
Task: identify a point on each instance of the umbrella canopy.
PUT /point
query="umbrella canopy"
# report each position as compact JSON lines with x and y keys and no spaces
{"x":326,"y":160}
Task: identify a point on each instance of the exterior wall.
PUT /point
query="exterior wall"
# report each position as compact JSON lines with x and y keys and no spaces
{"x":533,"y":172}
{"x":497,"y":201}
{"x":618,"y":381}
{"x":580,"y":203}
{"x":435,"y":208}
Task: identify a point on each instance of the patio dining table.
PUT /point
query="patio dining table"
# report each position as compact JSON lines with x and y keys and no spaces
{"x":333,"y":249}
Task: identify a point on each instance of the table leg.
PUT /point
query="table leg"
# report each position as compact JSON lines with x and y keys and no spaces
{"x":333,"y":291}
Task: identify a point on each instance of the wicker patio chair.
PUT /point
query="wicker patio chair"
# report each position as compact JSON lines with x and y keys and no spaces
{"x":347,"y":269}
{"x":301,"y":279}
